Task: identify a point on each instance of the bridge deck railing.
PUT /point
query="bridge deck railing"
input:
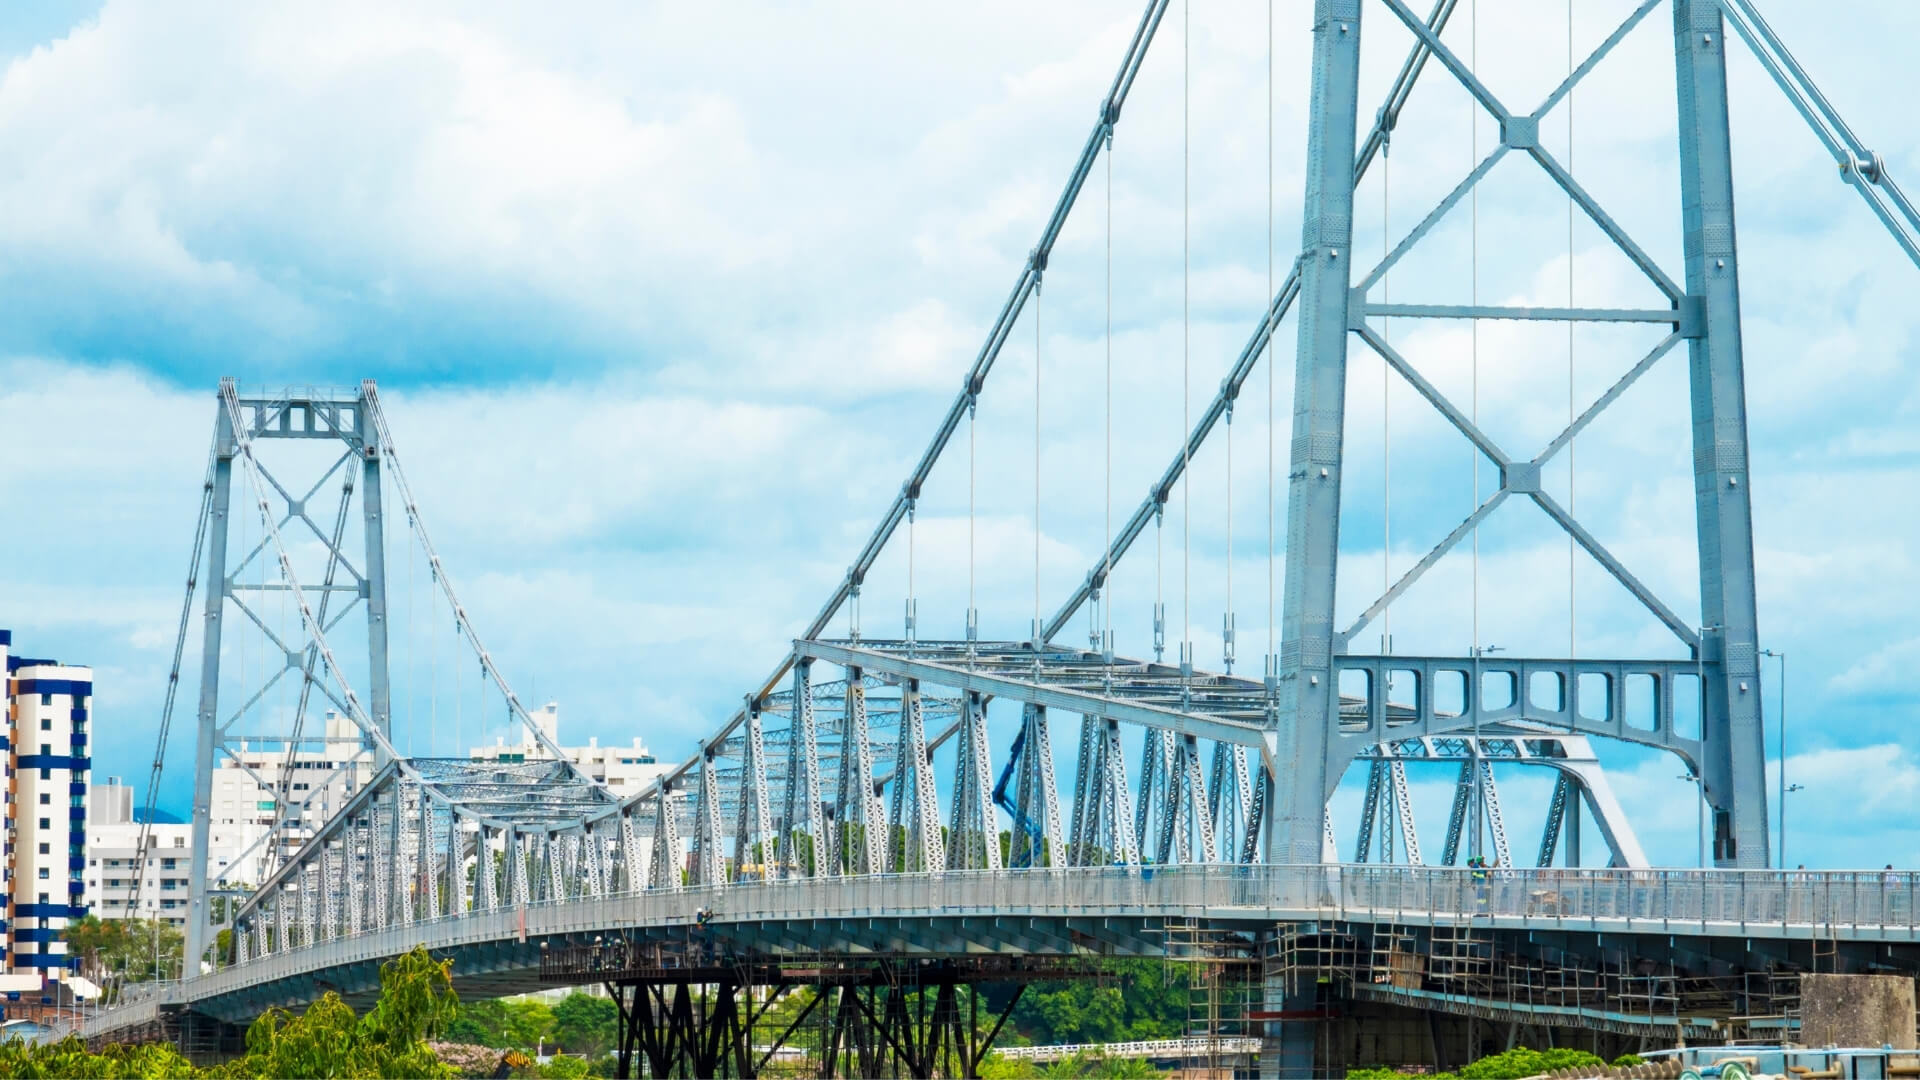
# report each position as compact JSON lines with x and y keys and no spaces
{"x":1870,"y":904}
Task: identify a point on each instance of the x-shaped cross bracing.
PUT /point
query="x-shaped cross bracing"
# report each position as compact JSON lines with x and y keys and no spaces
{"x":1522,"y":477}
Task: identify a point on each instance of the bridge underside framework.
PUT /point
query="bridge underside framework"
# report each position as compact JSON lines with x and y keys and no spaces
{"x":864,"y":764}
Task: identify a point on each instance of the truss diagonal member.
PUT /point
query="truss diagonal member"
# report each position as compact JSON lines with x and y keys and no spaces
{"x":1419,"y":232}
{"x":1466,"y":527}
{"x":1613,"y":394}
{"x":1419,"y":569}
{"x":1620,"y":573}
{"x":924,"y":850}
{"x":1499,"y":112}
{"x":1259,"y":795}
{"x":1446,"y":57}
{"x":1124,"y":838}
{"x":1457,"y":816}
{"x":803,"y":785}
{"x":1434,"y":397}
{"x":1556,"y":820}
{"x":1152,"y":778}
{"x":1370,"y":809}
{"x":1086,"y":794}
{"x":973,"y":838}
{"x":861,"y":848}
{"x":1604,"y":221}
{"x":1593,"y":58}
{"x":1591,"y":786}
{"x":1250,"y":354}
{"x":1403,"y":808}
{"x":1038,"y":796}
{"x":1196,"y":803}
{"x":756,"y":819}
{"x":708,"y":864}
{"x":1496,"y":821}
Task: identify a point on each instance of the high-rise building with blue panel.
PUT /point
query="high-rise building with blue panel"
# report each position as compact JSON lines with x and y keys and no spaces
{"x":46,"y":733}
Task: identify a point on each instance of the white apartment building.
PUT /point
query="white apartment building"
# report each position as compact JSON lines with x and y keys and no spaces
{"x":43,"y":881}
{"x":624,"y":769}
{"x":247,"y":789}
{"x":121,"y":884}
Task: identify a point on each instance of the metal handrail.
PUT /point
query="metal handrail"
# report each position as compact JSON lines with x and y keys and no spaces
{"x":1785,"y":903}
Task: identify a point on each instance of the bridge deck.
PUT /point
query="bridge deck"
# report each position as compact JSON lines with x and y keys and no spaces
{"x":1110,"y":910}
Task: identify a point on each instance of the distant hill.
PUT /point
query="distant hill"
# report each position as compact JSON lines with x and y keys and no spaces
{"x":160,"y":816}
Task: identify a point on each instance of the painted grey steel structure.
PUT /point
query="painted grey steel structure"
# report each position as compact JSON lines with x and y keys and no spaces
{"x":827,"y":784}
{"x":1119,"y":909}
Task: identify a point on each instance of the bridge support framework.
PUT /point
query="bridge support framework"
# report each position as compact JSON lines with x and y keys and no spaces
{"x":687,"y":1010}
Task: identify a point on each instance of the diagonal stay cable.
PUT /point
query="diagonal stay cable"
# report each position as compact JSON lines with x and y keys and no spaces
{"x":1384,"y":122}
{"x":173,"y":675}
{"x":419,"y":525}
{"x":1097,"y":140}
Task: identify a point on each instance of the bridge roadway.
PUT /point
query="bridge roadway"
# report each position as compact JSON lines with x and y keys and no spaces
{"x":1111,"y":910}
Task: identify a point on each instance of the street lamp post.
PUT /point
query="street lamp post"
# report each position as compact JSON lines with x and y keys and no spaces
{"x":1782,"y":657}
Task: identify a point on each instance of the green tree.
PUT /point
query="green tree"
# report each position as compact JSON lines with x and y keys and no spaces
{"x":503,"y":1024}
{"x":1522,"y":1062}
{"x":1143,"y":999}
{"x":133,"y":948}
{"x":70,"y":1057}
{"x":328,"y":1040}
{"x":586,"y":1025}
{"x":565,"y":1068}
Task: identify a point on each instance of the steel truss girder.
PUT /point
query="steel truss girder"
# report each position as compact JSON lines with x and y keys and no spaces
{"x":973,"y":838}
{"x":1067,"y":680}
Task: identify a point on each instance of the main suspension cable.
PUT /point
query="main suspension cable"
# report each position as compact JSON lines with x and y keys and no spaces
{"x":173,"y":676}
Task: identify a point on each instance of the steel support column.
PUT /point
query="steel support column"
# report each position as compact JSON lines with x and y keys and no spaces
{"x":1735,"y":765}
{"x":379,"y":691}
{"x":1308,"y":695}
{"x":206,"y":746}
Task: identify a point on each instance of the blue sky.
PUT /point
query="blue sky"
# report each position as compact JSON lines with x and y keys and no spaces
{"x":666,"y":299}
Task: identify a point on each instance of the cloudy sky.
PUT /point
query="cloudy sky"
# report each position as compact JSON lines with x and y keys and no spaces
{"x":664,"y":301}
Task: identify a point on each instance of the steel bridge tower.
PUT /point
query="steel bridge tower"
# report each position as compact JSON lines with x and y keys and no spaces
{"x":342,"y":419}
{"x":1704,"y":312}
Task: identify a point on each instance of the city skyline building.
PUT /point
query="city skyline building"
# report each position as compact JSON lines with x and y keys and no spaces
{"x":43,"y":882}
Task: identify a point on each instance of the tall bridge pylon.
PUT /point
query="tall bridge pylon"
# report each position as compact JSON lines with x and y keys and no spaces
{"x":282,"y":579}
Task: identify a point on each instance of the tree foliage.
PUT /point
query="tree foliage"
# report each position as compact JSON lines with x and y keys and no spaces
{"x":328,"y":1040}
{"x":1144,"y":999}
{"x":504,"y":1025}
{"x":135,"y":948}
{"x":70,"y":1057}
{"x":1509,"y":1065}
{"x":586,"y":1025}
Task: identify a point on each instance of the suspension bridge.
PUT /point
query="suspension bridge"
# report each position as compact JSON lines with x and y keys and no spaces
{"x":853,"y":827}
